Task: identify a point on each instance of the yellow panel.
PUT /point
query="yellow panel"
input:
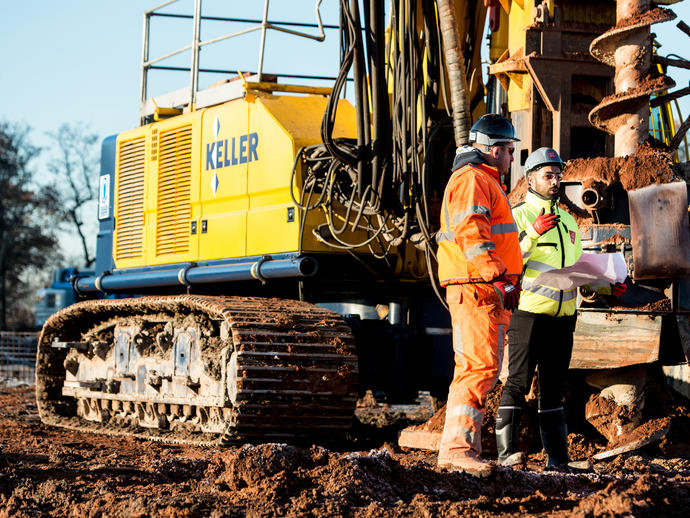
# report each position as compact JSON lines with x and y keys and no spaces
{"x":301,"y":116}
{"x":268,"y":229}
{"x":173,"y":191}
{"x":283,"y":125}
{"x":226,"y":170}
{"x":224,"y":164}
{"x":130,"y":167}
{"x":172,"y":201}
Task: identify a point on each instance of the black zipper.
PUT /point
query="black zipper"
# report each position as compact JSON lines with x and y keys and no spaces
{"x":560,"y":237}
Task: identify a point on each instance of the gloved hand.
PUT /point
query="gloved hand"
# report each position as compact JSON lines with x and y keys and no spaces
{"x":618,"y":289}
{"x":545,"y":222}
{"x":507,"y":291}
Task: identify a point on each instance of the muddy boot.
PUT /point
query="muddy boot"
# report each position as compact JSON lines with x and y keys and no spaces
{"x":554,"y":437}
{"x":507,"y":434}
{"x":469,"y":463}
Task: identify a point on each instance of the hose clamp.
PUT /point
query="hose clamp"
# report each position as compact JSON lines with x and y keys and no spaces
{"x":99,"y":281}
{"x":256,"y":269}
{"x":182,"y":274}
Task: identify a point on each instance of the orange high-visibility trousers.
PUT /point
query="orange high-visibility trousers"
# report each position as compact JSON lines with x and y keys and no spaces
{"x":479,"y":326}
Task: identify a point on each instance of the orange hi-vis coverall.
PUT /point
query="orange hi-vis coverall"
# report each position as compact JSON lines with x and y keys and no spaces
{"x":478,"y":241}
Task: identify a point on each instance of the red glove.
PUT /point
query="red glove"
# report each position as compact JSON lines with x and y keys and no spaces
{"x":545,"y":222}
{"x":618,"y":289}
{"x":507,"y":291}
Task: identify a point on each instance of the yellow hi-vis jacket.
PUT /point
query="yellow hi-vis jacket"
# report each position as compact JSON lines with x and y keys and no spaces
{"x":478,"y":239}
{"x":560,"y":247}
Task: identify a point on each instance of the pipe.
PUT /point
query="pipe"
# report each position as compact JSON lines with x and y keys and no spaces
{"x":191,"y":274}
{"x":195,"y":54}
{"x":455,"y":62}
{"x":395,"y":313}
{"x":594,"y":198}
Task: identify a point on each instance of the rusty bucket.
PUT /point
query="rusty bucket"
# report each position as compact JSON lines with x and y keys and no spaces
{"x":659,"y":230}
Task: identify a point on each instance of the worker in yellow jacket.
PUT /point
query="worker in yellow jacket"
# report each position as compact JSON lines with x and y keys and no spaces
{"x":541,"y":330}
{"x":479,"y":263}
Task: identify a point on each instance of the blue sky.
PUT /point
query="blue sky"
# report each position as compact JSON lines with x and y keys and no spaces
{"x":79,"y":60}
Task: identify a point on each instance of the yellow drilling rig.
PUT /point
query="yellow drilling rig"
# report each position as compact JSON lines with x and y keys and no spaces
{"x":276,"y":242}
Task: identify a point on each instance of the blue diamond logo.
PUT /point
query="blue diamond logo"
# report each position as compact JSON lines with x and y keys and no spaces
{"x":214,"y":183}
{"x":216,"y":128}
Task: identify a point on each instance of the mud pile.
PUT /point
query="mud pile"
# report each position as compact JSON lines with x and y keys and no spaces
{"x":47,"y":471}
{"x":650,"y":164}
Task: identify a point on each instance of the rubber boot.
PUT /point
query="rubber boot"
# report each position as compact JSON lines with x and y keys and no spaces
{"x":554,"y":436}
{"x":507,"y":435}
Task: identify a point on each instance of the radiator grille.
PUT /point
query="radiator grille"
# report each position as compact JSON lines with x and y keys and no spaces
{"x":154,"y":144}
{"x":174,"y":185}
{"x":129,"y":222}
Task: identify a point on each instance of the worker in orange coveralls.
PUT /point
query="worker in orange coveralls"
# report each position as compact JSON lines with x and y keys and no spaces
{"x":479,"y":263}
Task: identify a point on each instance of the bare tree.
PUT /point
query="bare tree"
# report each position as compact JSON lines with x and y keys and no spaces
{"x":27,"y":239}
{"x":75,"y":168}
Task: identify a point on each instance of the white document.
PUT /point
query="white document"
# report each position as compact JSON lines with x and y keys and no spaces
{"x":589,"y":269}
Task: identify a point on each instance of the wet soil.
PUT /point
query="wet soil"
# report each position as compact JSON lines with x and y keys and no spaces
{"x":46,"y":471}
{"x":662,"y":305}
{"x":647,"y":85}
{"x":658,"y":14}
{"x":647,"y":166}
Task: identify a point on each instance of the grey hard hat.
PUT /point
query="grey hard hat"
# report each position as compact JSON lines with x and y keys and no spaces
{"x":492,"y":129}
{"x":541,"y":157}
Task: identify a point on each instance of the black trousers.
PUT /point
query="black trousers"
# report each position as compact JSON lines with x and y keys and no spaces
{"x":540,"y":341}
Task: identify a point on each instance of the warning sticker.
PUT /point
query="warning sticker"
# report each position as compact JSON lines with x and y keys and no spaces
{"x":104,"y":197}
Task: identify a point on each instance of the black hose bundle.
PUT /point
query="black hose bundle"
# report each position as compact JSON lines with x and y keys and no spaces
{"x":374,"y":192}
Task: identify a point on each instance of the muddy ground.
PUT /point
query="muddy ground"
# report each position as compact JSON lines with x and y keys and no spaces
{"x":47,"y":471}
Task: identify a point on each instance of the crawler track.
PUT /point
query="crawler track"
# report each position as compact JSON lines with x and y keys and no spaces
{"x":197,"y":369}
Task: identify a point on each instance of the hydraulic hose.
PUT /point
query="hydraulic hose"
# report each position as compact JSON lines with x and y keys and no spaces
{"x":455,"y":62}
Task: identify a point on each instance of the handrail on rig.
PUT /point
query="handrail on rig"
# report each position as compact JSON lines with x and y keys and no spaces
{"x":264,"y":25}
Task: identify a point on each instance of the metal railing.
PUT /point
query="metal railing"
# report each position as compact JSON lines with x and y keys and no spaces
{"x":197,"y":44}
{"x":18,"y":357}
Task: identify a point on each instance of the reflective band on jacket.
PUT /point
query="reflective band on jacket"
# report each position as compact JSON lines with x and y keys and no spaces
{"x":504,"y":228}
{"x":474,"y":209}
{"x":479,"y":249}
{"x":550,"y":292}
{"x":557,"y":248}
{"x":540,"y":267}
{"x":478,"y":238}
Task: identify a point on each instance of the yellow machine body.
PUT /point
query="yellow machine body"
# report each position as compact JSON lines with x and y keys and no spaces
{"x":215,"y":183}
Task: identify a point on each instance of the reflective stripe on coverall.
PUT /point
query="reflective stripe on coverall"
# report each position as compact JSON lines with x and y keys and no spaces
{"x":479,"y":327}
{"x":478,"y":241}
